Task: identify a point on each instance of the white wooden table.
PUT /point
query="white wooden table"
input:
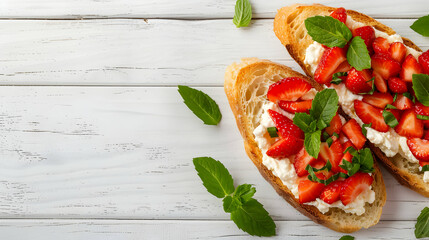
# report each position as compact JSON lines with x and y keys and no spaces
{"x":96,"y":143}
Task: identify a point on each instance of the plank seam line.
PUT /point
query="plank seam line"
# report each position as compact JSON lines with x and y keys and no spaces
{"x":77,"y":18}
{"x":149,"y":219}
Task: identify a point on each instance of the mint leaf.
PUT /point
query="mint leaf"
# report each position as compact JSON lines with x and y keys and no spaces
{"x":425,"y":168}
{"x":215,"y":176}
{"x":336,"y":77}
{"x":329,"y":141}
{"x":312,"y":143}
{"x":362,"y":161}
{"x":273,"y":132}
{"x":422,"y":225}
{"x":324,"y":107}
{"x":420,"y":26}
{"x":395,"y":97}
{"x":364,"y":130}
{"x":421,"y":88}
{"x":245,"y":192}
{"x":312,"y":175}
{"x":358,"y":55}
{"x":328,"y":31}
{"x":231,"y":204}
{"x":252,"y":218}
{"x":303,"y":121}
{"x":422,"y":117}
{"x":347,"y":237}
{"x":366,"y":161}
{"x":390,"y":119}
{"x":243,"y":13}
{"x":390,"y":106}
{"x":201,"y":105}
{"x":409,"y":96}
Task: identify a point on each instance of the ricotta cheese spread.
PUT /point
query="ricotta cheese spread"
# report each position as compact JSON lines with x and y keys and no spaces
{"x":425,"y":175}
{"x":285,"y":171}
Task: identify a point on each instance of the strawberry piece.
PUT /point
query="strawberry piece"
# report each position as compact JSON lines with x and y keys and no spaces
{"x":344,"y":67}
{"x":308,"y":190}
{"x":396,"y":112}
{"x":426,"y":135}
{"x":331,"y":192}
{"x":396,"y":85}
{"x":424,"y":61}
{"x":379,"y":82}
{"x":353,"y":186}
{"x":397,"y":51}
{"x":285,"y":125}
{"x":367,"y":33}
{"x":410,"y":125}
{"x":369,"y":114}
{"x":354,"y":132}
{"x":421,"y":109}
{"x":295,"y":106}
{"x":402,"y":102}
{"x":410,"y":66}
{"x":379,"y":100}
{"x":343,"y":138}
{"x":385,"y":66}
{"x":288,"y":89}
{"x":331,"y":59}
{"x":340,"y":14}
{"x":335,"y":125}
{"x":334,"y":154}
{"x":423,"y":163}
{"x":302,"y":159}
{"x":285,"y":147}
{"x":347,"y":156}
{"x":357,"y":81}
{"x":419,"y":148}
{"x":381,"y":45}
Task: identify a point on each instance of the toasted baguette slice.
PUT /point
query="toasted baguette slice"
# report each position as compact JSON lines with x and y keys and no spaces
{"x":246,"y":86}
{"x":290,"y":29}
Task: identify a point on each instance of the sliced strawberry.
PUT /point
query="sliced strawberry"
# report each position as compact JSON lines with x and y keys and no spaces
{"x":295,"y":106}
{"x":285,"y":125}
{"x":421,"y":109}
{"x":396,"y":112}
{"x":385,"y":66}
{"x":343,"y":138}
{"x":347,"y":156}
{"x":381,"y":45}
{"x":396,"y":85}
{"x":285,"y":147}
{"x":379,"y":100}
{"x":335,"y":125}
{"x":302,"y":159}
{"x":353,"y":186}
{"x":354,"y":132}
{"x":402,"y":102}
{"x":379,"y":82}
{"x":426,"y":135}
{"x":331,"y":59}
{"x":410,"y":66}
{"x":422,"y":163}
{"x":367,"y":33}
{"x":397,"y":51}
{"x":331,"y":192}
{"x":340,"y":14}
{"x":369,"y":114}
{"x":308,"y":190}
{"x":419,"y":148}
{"x":410,"y":125}
{"x":358,"y":81}
{"x":334,"y":154}
{"x":288,"y":89}
{"x":424,"y":61}
{"x":344,"y":67}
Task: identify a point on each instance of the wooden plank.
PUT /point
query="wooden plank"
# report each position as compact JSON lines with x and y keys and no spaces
{"x":149,"y":229}
{"x":135,"y":52}
{"x":191,"y":9}
{"x":120,"y":152}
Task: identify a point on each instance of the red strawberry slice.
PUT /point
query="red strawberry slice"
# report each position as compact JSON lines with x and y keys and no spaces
{"x":385,"y":66}
{"x":331,"y":59}
{"x":344,"y":67}
{"x":353,"y":186}
{"x":285,"y":147}
{"x":369,"y":114}
{"x":343,"y":138}
{"x":379,"y":100}
{"x":396,"y":85}
{"x":421,"y":109}
{"x":397,"y":51}
{"x":285,"y":125}
{"x":381,"y":45}
{"x":302,"y":159}
{"x":410,"y":66}
{"x":335,"y":125}
{"x":426,"y":135}
{"x":354,"y":132}
{"x":424,"y":61}
{"x":379,"y":82}
{"x":334,"y":154}
{"x":358,"y":81}
{"x":295,"y":106}
{"x":331,"y":192}
{"x":367,"y":33}
{"x":308,"y":190}
{"x":410,"y":125}
{"x":288,"y":89}
{"x":423,"y":163}
{"x":340,"y":14}
{"x":347,"y":156}
{"x":419,"y":148}
{"x":396,"y":112}
{"x":402,"y":102}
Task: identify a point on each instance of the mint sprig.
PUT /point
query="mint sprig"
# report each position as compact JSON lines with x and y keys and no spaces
{"x":243,"y":13}
{"x":362,"y":161}
{"x":313,"y":177}
{"x":422,"y":225}
{"x":347,"y":237}
{"x":246,"y":212}
{"x":390,"y":119}
{"x":420,"y":26}
{"x":357,"y":54}
{"x":328,"y":31}
{"x":421,"y":88}
{"x":425,"y":168}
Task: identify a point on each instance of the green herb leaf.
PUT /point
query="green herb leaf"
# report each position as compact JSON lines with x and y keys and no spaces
{"x":231,"y":204}
{"x":390,"y":119}
{"x":328,"y":167}
{"x":351,"y":150}
{"x":252,"y":218}
{"x":273,"y":132}
{"x":362,"y":161}
{"x":201,"y":105}
{"x":336,"y":135}
{"x":358,"y":55}
{"x":364,"y":130}
{"x":372,"y":87}
{"x":422,"y":117}
{"x":245,"y":192}
{"x":395,"y":97}
{"x":303,"y":121}
{"x":325,"y":136}
{"x":409,"y":96}
{"x":422,"y":225}
{"x":243,"y":13}
{"x":329,"y":141}
{"x":336,"y":77}
{"x":312,"y":143}
{"x":390,"y":106}
{"x":347,"y":237}
{"x":420,"y":26}
{"x":328,"y":31}
{"x":312,"y":175}
{"x":425,"y":168}
{"x":421,"y":88}
{"x":324,"y":107}
{"x":215,"y":176}
{"x":366,"y":160}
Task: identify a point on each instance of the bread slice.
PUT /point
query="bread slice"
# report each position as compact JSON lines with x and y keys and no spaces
{"x":290,"y":29}
{"x":246,"y":86}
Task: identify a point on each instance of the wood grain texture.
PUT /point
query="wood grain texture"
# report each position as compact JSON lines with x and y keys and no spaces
{"x":191,"y":9}
{"x":135,"y":52}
